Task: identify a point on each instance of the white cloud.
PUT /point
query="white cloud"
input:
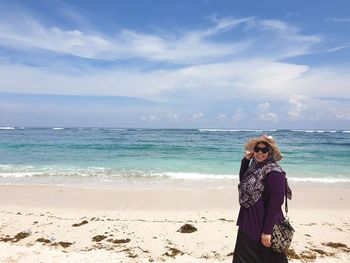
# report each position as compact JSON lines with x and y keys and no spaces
{"x":239,"y":115}
{"x":264,"y":113}
{"x":224,"y":25}
{"x":296,"y":108}
{"x":263,"y":78}
{"x":341,"y":114}
{"x":256,"y":80}
{"x":221,"y":117}
{"x":151,"y":118}
{"x":268,"y":116}
{"x":198,"y":116}
{"x":264,"y":107}
{"x":332,"y":81}
{"x":173,"y":117}
{"x":186,"y":47}
{"x":189,"y":47}
{"x":339,"y":19}
{"x":286,"y":40}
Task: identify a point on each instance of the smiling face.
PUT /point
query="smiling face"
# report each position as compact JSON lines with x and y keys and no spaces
{"x":261,"y":152}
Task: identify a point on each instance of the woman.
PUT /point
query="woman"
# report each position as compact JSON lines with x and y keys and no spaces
{"x":261,"y":192}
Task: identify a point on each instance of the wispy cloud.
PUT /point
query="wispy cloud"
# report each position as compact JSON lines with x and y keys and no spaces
{"x":189,"y":47}
{"x":184,"y":47}
{"x":338,"y":19}
{"x":255,"y":80}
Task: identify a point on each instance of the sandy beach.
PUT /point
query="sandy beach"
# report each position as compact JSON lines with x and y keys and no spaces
{"x":61,"y":224}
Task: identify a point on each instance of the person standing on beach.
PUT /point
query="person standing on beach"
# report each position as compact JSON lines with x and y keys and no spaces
{"x":261,"y":192}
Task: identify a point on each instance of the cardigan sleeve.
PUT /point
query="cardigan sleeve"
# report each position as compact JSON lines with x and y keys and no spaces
{"x":244,"y":166}
{"x":275,"y":183}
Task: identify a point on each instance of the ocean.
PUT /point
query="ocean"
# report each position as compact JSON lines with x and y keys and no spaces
{"x":112,"y":157}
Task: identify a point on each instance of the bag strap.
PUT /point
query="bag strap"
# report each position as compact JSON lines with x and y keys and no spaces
{"x":287,"y":194}
{"x":286,"y":202}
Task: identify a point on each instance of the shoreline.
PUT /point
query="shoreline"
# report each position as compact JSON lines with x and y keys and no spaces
{"x":173,"y":183}
{"x":141,"y":225}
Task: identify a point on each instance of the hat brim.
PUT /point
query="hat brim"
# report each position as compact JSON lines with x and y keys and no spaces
{"x":277,"y":156}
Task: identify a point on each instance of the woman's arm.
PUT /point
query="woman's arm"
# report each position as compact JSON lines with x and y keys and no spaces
{"x":244,"y":166}
{"x":275,"y":184}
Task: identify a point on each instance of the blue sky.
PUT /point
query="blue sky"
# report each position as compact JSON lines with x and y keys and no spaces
{"x":175,"y":64}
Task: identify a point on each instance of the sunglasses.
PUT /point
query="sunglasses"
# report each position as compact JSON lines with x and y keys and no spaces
{"x":263,"y":150}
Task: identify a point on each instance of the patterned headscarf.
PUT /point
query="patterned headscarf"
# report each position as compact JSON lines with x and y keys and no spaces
{"x":252,"y":185}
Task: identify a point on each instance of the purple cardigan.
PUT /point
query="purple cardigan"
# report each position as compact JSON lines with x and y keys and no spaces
{"x":257,"y":219}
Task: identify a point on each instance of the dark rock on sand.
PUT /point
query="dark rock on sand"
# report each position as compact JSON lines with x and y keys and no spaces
{"x":63,"y":244}
{"x":321,"y":252}
{"x":130,"y":253}
{"x":173,"y":252}
{"x":187,"y":228}
{"x":225,"y":220}
{"x":340,"y":246}
{"x":307,"y":255}
{"x":98,"y":238}
{"x":43,"y":240}
{"x":20,"y":235}
{"x":335,"y":245}
{"x":291,"y":254}
{"x":81,"y":223}
{"x":6,"y":239}
{"x":119,"y":241}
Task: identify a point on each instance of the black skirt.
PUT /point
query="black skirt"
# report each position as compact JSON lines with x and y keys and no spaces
{"x":248,"y":251}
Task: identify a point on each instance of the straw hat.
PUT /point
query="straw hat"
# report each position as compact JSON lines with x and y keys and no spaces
{"x":269,"y":140}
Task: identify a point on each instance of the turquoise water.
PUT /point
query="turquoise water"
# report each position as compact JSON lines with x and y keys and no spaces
{"x":128,"y":156}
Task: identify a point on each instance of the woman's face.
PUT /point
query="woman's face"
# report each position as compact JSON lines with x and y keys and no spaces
{"x":259,"y":154}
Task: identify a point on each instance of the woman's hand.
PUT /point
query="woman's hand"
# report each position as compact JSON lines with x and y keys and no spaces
{"x":266,"y":240}
{"x":248,"y":155}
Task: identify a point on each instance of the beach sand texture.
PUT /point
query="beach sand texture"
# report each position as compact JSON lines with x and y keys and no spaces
{"x":60,"y":224}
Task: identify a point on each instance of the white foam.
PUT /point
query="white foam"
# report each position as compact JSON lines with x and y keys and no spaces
{"x":320,"y":180}
{"x":233,"y":130}
{"x":216,"y":130}
{"x":100,"y":173}
{"x":198,"y":176}
{"x":12,"y":168}
{"x":312,"y":131}
{"x":345,"y":131}
{"x":58,"y":128}
{"x":7,"y":128}
{"x":18,"y":174}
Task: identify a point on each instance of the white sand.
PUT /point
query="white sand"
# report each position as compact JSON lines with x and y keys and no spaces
{"x":147,"y":221}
